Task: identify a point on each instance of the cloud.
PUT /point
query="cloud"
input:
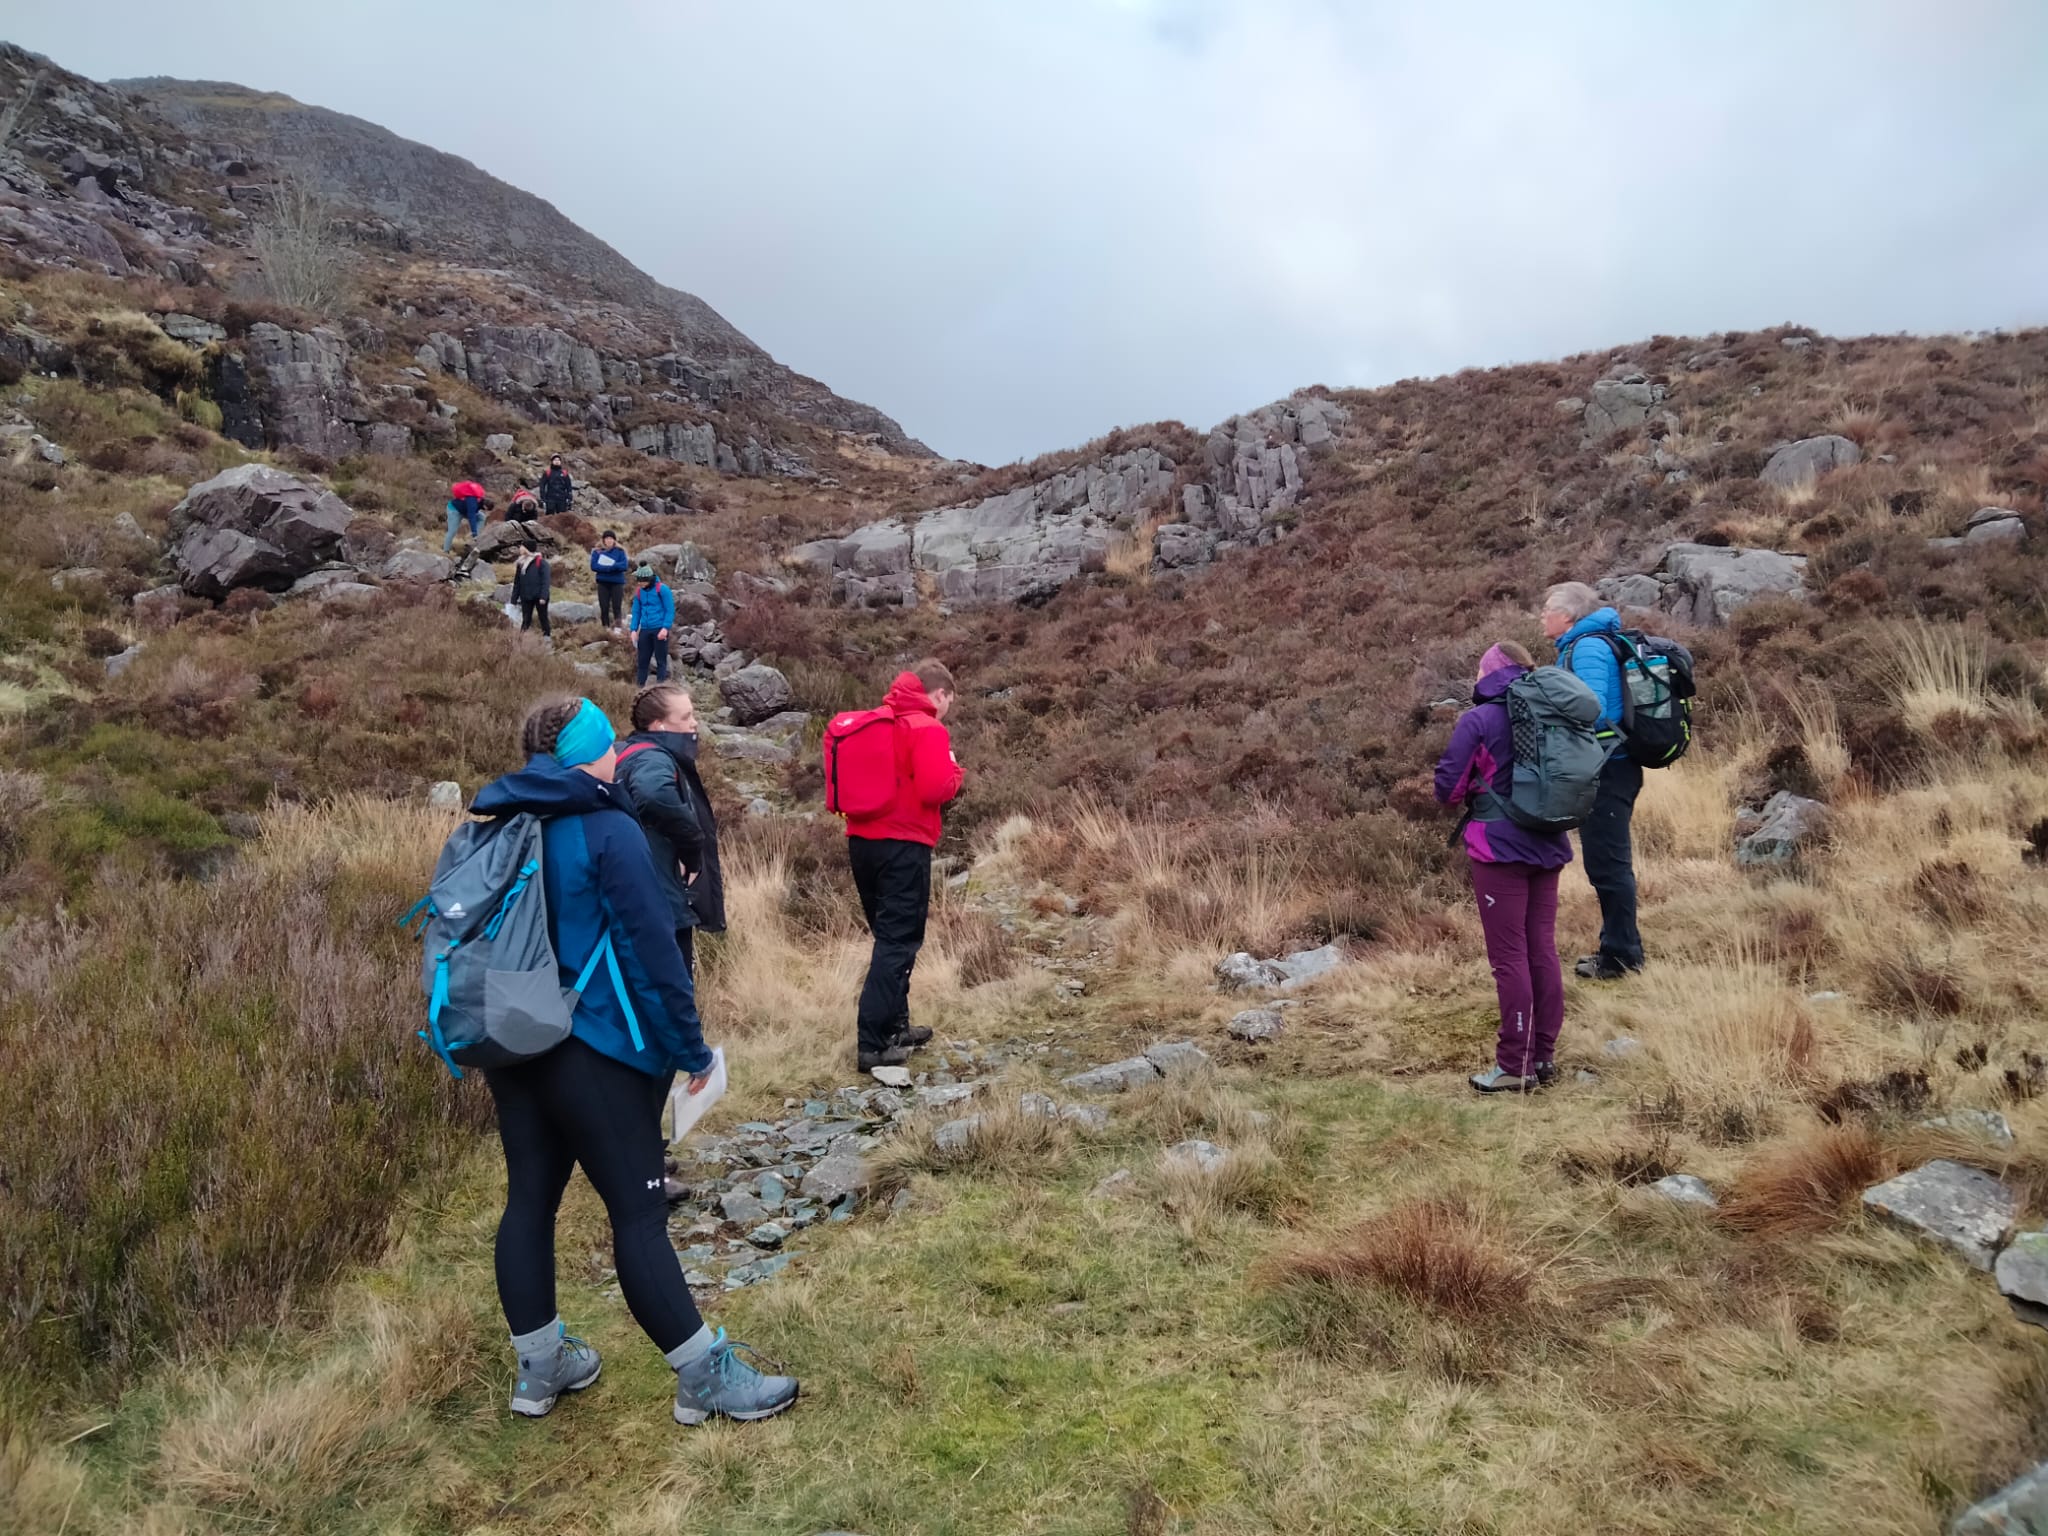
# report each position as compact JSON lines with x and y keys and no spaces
{"x":1014,"y":227}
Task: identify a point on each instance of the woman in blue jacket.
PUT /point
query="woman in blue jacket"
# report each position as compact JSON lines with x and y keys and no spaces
{"x":595,"y":1101}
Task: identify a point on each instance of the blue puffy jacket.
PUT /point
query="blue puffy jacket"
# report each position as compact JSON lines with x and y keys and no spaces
{"x":653,"y":608}
{"x":1582,"y":652}
{"x":599,"y":879}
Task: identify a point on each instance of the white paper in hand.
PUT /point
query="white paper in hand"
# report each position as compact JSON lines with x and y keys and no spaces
{"x":688,"y":1108}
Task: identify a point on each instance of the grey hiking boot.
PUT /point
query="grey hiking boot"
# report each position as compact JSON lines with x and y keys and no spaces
{"x":570,"y":1366}
{"x":720,"y":1382}
{"x":1494,"y":1080}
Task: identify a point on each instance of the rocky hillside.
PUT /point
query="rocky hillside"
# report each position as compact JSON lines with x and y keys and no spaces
{"x":442,"y":272}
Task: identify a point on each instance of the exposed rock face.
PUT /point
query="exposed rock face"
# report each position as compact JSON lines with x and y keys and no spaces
{"x":1987,"y":525}
{"x":497,"y":538}
{"x":1777,"y":835}
{"x":1245,"y":972}
{"x":416,"y":565}
{"x":253,"y":526}
{"x":1709,"y":584}
{"x":1799,"y":464}
{"x":1025,"y":544}
{"x":305,"y":395}
{"x":678,"y":562}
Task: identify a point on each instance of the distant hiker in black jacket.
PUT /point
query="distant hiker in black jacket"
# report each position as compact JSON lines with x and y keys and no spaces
{"x":658,"y":771}
{"x":532,"y":581}
{"x":557,"y":490}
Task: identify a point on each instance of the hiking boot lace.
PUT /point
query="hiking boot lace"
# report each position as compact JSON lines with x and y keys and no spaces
{"x":732,"y":1370}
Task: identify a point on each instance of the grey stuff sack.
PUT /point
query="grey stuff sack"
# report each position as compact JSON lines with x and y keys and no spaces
{"x":1558,"y":755}
{"x":494,"y":989}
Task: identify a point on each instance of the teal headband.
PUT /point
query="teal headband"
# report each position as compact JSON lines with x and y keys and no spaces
{"x":586,"y":738}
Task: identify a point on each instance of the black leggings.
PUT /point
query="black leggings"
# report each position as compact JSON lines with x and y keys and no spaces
{"x":575,"y":1108}
{"x":527,"y":607}
{"x":611,"y":602}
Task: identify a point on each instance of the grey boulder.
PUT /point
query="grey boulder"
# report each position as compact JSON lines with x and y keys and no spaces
{"x":445,"y":796}
{"x":1958,"y":1207}
{"x":1775,"y":836}
{"x":756,"y":693}
{"x":2022,"y":1269}
{"x":1175,"y":1056}
{"x":1115,"y":1077}
{"x":1686,"y":1189}
{"x":253,"y":526}
{"x":2020,"y":1508}
{"x":1620,"y":404}
{"x":1202,"y":1156}
{"x":1711,"y":584}
{"x":1798,"y":465}
{"x":1258,"y":1024}
{"x":416,"y":565}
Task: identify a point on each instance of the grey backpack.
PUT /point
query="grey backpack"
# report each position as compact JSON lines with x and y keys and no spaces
{"x":1558,"y":756}
{"x":493,"y":985}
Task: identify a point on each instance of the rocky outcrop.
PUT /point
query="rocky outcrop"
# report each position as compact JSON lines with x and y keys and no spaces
{"x":298,"y":389}
{"x":1798,"y":465}
{"x":1620,"y":404}
{"x":1025,"y":544}
{"x":253,"y":526}
{"x":1708,"y":584}
{"x":1987,"y":525}
{"x":1950,"y":1204}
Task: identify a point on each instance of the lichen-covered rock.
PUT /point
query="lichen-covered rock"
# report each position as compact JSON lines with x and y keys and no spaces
{"x":2022,"y":1268}
{"x":416,"y":565}
{"x":1620,"y":404}
{"x":253,"y":526}
{"x":1961,"y":1208}
{"x":1202,"y":1156}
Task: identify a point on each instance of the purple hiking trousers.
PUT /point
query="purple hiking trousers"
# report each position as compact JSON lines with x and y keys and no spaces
{"x":1518,"y":909}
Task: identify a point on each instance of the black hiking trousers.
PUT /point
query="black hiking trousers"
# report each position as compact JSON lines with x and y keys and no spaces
{"x":528,"y":607}
{"x":894,"y":878}
{"x":1610,"y":860}
{"x":575,"y":1108}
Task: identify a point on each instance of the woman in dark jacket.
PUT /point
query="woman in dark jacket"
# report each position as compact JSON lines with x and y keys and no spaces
{"x":658,"y":771}
{"x":1514,"y":875}
{"x":532,"y":581}
{"x":595,"y":1100}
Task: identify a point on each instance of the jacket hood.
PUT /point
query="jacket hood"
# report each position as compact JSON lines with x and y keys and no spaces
{"x":1496,"y":683}
{"x":1592,"y":624}
{"x":680,"y":745}
{"x":907,"y":696}
{"x":544,"y":788}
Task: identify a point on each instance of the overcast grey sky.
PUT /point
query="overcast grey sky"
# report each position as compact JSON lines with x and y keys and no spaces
{"x":1015,"y":224}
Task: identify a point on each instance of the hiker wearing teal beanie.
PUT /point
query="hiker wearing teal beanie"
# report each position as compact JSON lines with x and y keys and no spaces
{"x":595,"y":1100}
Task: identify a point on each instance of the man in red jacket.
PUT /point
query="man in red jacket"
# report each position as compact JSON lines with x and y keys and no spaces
{"x":891,"y":852}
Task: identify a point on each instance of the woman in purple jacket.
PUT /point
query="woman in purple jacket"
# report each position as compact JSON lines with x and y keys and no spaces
{"x":1514,"y":875}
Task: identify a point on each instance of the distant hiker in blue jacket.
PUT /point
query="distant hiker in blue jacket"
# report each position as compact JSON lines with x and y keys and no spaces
{"x":1575,"y":618}
{"x":609,"y":564}
{"x":654,"y":614}
{"x":1514,"y":875}
{"x":595,"y":1100}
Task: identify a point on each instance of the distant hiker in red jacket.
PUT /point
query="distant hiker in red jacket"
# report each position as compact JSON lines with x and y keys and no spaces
{"x":891,"y":854}
{"x":466,"y":500}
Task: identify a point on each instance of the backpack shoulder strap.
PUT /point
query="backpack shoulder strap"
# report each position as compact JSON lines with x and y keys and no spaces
{"x":638,"y":746}
{"x":1625,"y":652}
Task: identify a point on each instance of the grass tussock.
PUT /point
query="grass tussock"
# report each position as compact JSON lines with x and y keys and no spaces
{"x":1426,"y":1283}
{"x":1807,"y":1184}
{"x":1004,"y":1141}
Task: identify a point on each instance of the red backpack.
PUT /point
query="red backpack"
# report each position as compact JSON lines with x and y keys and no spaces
{"x":860,"y":762}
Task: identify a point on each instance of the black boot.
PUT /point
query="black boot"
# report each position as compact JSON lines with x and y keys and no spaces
{"x":915,"y":1036}
{"x":889,"y":1056}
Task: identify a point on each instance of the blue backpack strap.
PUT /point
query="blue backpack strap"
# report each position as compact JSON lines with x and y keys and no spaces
{"x":526,"y":873}
{"x":421,"y":909}
{"x":609,"y":956}
{"x":435,"y":1003}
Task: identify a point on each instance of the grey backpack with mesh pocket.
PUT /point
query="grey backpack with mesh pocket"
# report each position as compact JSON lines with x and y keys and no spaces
{"x":494,"y":987}
{"x":1558,"y":756}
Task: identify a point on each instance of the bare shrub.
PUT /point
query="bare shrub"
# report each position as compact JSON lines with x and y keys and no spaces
{"x":301,"y":249}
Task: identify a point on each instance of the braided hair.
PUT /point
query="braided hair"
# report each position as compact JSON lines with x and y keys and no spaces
{"x":652,"y":703}
{"x":544,"y":722}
